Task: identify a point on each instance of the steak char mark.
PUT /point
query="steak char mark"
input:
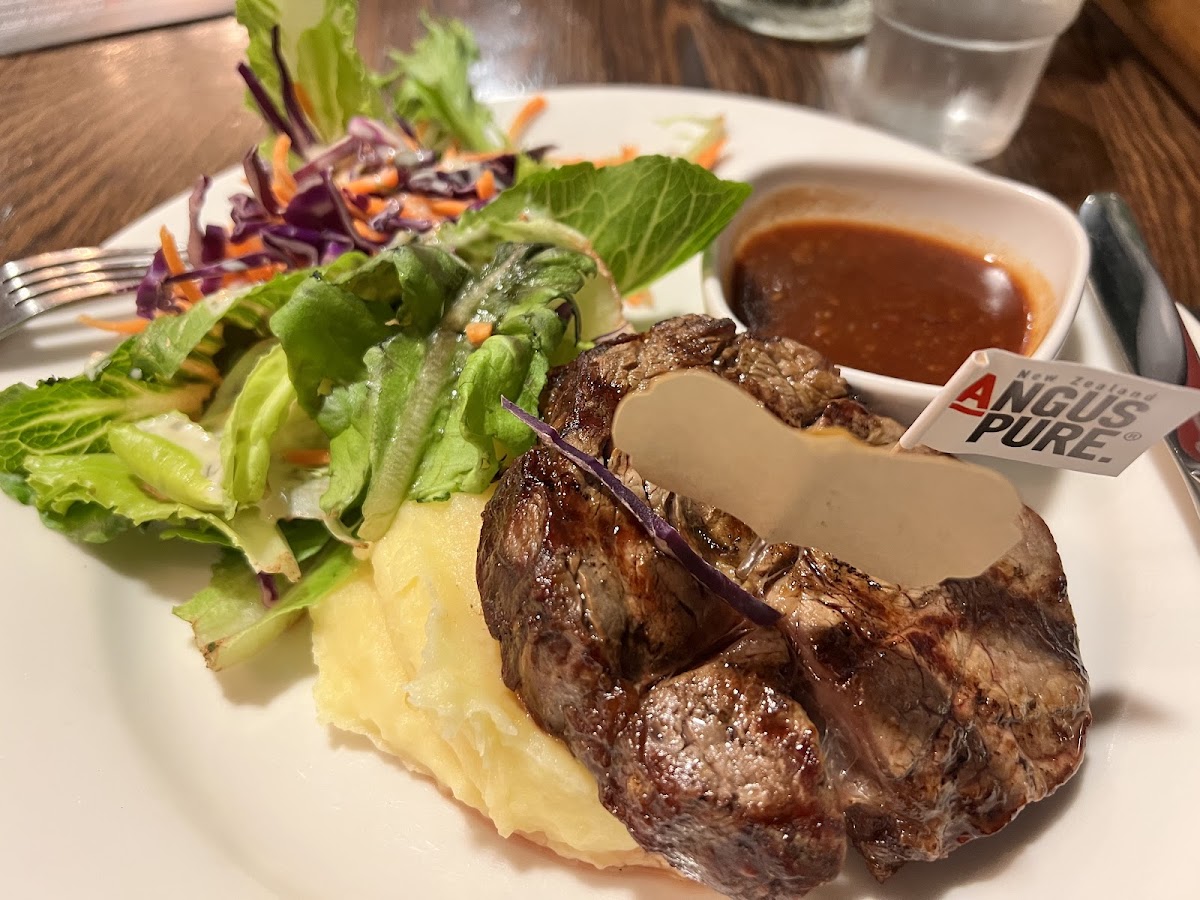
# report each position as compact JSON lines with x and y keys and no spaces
{"x":905,"y":721}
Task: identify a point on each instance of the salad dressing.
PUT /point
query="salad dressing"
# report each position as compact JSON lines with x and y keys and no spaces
{"x":187,"y":435}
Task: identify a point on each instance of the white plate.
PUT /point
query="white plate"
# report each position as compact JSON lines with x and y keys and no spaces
{"x":129,"y":770}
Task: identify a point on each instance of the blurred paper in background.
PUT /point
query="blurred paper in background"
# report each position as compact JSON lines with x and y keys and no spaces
{"x":30,"y":24}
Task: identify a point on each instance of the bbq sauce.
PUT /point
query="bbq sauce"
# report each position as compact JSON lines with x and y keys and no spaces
{"x":878,"y":298}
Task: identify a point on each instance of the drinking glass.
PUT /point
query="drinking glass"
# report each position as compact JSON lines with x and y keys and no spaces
{"x":800,"y":20}
{"x":957,"y":75}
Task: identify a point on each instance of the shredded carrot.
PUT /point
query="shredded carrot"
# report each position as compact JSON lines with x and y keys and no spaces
{"x":306,"y":103}
{"x":204,"y":370}
{"x":262,"y":273}
{"x":252,"y":276}
{"x":413,"y":207}
{"x":485,"y":185}
{"x":282,"y":181}
{"x":409,"y":142}
{"x":477,"y":156}
{"x":374,"y":184}
{"x":640,"y":298}
{"x":370,"y":233}
{"x":448,"y":208}
{"x":627,"y":152}
{"x":125,"y":326}
{"x":478,"y":332}
{"x":310,"y":458}
{"x":176,"y":267}
{"x":525,"y":117}
{"x":170,"y":252}
{"x":252,"y":244}
{"x":375,"y":205}
{"x":708,"y":156}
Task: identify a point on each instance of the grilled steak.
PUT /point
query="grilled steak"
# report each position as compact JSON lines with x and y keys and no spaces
{"x":909,"y":721}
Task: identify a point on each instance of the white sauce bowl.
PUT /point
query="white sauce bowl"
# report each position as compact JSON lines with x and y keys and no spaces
{"x":1035,"y":236}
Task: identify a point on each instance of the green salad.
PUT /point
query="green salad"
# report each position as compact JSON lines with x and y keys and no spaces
{"x":398,"y":267}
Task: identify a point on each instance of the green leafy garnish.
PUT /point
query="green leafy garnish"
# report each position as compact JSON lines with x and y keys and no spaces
{"x":642,"y":218}
{"x":288,"y":422}
{"x":432,"y":88}
{"x":73,"y":415}
{"x":230,"y":620}
{"x":104,"y":484}
{"x":318,"y":46}
{"x":256,"y":415}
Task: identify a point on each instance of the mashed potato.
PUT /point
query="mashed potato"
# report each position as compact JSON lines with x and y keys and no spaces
{"x":405,"y":658}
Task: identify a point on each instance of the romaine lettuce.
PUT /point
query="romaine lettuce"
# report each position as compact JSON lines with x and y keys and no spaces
{"x":169,"y":468}
{"x":318,"y":47}
{"x":432,"y":88}
{"x":256,"y":415}
{"x":642,"y":218}
{"x":410,"y":405}
{"x":169,"y":342}
{"x":230,"y":621}
{"x":73,"y":415}
{"x":103,"y":482}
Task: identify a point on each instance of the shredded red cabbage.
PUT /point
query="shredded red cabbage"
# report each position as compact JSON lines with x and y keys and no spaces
{"x":664,"y":536}
{"x":259,"y":180}
{"x":151,"y":298}
{"x":249,"y":217}
{"x":221,"y":267}
{"x":291,"y":102}
{"x":270,"y":592}
{"x":266,"y":106}
{"x":316,"y":223}
{"x":331,"y":156}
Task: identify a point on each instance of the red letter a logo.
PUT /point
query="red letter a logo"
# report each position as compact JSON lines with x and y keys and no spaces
{"x":979,"y":394}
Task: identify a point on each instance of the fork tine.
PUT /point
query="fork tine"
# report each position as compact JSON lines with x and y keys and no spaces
{"x":61,"y":291}
{"x":13,"y":316}
{"x":18,"y":267}
{"x":125,"y":266}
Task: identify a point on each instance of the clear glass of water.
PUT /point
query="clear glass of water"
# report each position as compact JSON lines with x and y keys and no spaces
{"x":800,"y":20}
{"x":958,"y":75}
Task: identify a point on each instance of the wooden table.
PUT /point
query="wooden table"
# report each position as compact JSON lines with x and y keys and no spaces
{"x":97,"y":133}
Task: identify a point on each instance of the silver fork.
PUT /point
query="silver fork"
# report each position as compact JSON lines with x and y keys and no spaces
{"x":49,"y":280}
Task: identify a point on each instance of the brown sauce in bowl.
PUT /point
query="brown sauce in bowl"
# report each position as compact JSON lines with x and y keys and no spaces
{"x":878,"y":298}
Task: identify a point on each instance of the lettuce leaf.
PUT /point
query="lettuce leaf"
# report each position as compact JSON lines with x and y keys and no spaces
{"x":414,"y":280}
{"x":431,"y":88}
{"x":318,"y":46}
{"x":229,"y":619}
{"x":642,"y":218}
{"x":411,"y":406}
{"x":169,"y":468}
{"x":171,"y":341}
{"x":69,"y":490}
{"x":73,"y":415}
{"x":412,"y":427}
{"x":256,"y":415}
{"x":326,"y":328}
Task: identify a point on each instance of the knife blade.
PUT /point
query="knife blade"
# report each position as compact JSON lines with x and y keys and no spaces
{"x":1143,"y":315}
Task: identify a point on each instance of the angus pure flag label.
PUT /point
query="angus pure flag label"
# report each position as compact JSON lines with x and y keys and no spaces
{"x":1050,"y":413}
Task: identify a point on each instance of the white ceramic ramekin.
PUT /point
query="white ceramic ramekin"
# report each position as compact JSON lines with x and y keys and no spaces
{"x":1035,"y":235}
